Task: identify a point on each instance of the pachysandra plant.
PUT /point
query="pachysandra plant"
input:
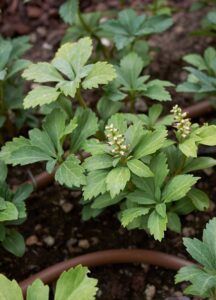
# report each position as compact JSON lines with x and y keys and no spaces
{"x":82,"y":25}
{"x":202,"y":277}
{"x":125,"y":160}
{"x":160,"y":7}
{"x":72,"y":284}
{"x":137,"y":168}
{"x":130,"y":27}
{"x":130,"y":85}
{"x":12,"y":213}
{"x":69,"y":73}
{"x":11,"y":85}
{"x":202,"y":76}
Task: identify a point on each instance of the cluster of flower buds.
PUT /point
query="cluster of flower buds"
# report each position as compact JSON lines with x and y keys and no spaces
{"x":116,"y":140}
{"x":182,"y":123}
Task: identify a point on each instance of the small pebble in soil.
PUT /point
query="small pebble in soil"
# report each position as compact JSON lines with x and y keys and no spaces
{"x":150,"y":292}
{"x":84,"y":244}
{"x":49,"y":240}
{"x":188,"y":231}
{"x":32,"y":240}
{"x":67,"y":207}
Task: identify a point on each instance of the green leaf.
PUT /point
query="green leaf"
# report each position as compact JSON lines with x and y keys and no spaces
{"x":9,"y":289}
{"x":17,"y":66}
{"x":199,"y":163}
{"x":105,"y":200}
{"x":10,"y":147}
{"x":161,"y":209}
{"x":116,"y":180}
{"x":188,"y":273}
{"x":100,"y":73}
{"x":141,"y":197}
{"x":150,"y":143}
{"x":207,"y":134}
{"x":28,"y":155}
{"x":178,"y":187}
{"x":199,"y":251}
{"x":74,"y":54}
{"x":38,"y":291}
{"x":156,"y":91}
{"x":94,"y":147}
{"x":189,"y":147}
{"x":159,"y":167}
{"x":75,"y":284}
{"x":41,"y":140}
{"x":40,"y":95}
{"x":42,"y":72}
{"x":199,"y":199}
{"x":3,"y":171}
{"x":69,"y":10}
{"x":157,"y":225}
{"x":210,"y":240}
{"x":87,"y":126}
{"x":14,"y":243}
{"x":128,"y":215}
{"x":195,"y":60}
{"x":55,"y":127}
{"x":174,"y":222}
{"x":133,"y":135}
{"x":139,"y":168}
{"x":10,"y":212}
{"x":70,"y":172}
{"x":97,"y":162}
{"x":5,"y":51}
{"x":96,"y":184}
{"x":154,"y":112}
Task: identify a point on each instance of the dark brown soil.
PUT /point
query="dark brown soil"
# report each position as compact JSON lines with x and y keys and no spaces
{"x":54,"y":230}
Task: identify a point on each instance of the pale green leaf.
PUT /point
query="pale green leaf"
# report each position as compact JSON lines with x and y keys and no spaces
{"x":75,"y":284}
{"x":9,"y":289}
{"x":10,"y":213}
{"x":40,"y":95}
{"x":101,"y":73}
{"x":38,"y":291}
{"x":42,"y":72}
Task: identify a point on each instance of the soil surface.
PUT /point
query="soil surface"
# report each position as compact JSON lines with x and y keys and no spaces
{"x":54,"y":230}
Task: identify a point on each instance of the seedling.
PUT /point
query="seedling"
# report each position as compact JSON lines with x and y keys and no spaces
{"x":131,"y":84}
{"x":11,"y":85}
{"x":202,"y":76}
{"x":69,"y":72}
{"x":202,"y":277}
{"x":12,"y":212}
{"x":72,"y":284}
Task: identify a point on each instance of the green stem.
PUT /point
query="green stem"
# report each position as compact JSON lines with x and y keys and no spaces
{"x":155,"y":7}
{"x":81,"y":99}
{"x":91,"y":33}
